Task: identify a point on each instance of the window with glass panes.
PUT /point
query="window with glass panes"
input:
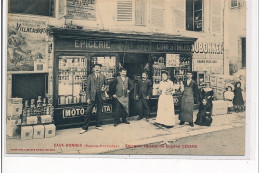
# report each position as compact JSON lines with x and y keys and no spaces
{"x":194,"y":15}
{"x":36,"y":7}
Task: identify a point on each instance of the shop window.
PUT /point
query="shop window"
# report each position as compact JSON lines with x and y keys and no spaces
{"x":194,"y":15}
{"x":36,"y":7}
{"x":140,"y":10}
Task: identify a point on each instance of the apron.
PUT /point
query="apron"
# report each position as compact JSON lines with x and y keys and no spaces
{"x":124,"y":101}
{"x":187,"y":102}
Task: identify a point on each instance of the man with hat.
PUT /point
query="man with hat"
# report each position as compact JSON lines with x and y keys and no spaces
{"x":95,"y":86}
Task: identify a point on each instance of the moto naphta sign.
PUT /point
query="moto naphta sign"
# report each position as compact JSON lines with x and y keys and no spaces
{"x":73,"y":112}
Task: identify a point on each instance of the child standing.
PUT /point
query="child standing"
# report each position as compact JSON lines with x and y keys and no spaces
{"x":238,"y":98}
{"x":228,"y":97}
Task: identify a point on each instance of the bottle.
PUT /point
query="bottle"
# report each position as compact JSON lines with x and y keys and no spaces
{"x":44,"y":104}
{"x":25,"y":111}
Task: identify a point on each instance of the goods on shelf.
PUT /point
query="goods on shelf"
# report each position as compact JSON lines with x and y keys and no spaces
{"x":28,"y":121}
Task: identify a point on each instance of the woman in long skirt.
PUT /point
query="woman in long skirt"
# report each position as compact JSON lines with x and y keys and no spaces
{"x":165,"y":113}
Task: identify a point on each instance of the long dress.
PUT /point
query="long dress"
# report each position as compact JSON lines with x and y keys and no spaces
{"x":165,"y":112}
{"x":187,"y":101}
{"x":238,"y":98}
{"x":204,"y":115}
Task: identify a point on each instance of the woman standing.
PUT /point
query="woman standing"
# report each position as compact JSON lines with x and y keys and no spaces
{"x":165,"y":113}
{"x":187,"y":101}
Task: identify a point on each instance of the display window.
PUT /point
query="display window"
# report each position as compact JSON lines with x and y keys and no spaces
{"x":72,"y":76}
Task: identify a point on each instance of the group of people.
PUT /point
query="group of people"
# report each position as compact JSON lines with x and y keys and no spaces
{"x":235,"y":97}
{"x":121,"y":86}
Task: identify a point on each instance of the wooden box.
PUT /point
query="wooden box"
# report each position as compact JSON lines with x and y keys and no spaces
{"x":219,"y":107}
{"x":38,"y":132}
{"x":50,"y":130}
{"x":27,"y":132}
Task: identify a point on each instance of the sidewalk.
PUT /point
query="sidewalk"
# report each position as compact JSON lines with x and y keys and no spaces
{"x":69,"y":141}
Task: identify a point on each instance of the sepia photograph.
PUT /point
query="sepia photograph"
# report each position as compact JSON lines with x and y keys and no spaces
{"x":126,"y":77}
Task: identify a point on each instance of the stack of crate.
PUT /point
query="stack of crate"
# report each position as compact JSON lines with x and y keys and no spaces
{"x":13,"y":119}
{"x":37,"y":120}
{"x":219,"y":84}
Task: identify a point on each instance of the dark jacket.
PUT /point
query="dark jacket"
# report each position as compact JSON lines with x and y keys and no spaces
{"x":91,"y":89}
{"x":144,"y":89}
{"x":113,"y":84}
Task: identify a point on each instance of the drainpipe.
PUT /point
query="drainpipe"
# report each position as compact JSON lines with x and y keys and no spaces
{"x":223,"y":33}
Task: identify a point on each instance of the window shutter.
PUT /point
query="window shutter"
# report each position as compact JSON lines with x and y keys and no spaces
{"x":216,"y":16}
{"x":140,"y":6}
{"x":62,"y":8}
{"x":179,"y":7}
{"x":125,"y":10}
{"x":157,"y":13}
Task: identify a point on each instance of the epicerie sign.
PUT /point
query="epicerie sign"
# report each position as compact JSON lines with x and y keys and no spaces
{"x":74,"y":112}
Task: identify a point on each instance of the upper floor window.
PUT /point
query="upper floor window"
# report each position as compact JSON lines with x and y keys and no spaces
{"x":234,"y":3}
{"x":36,"y":7}
{"x":194,"y":15}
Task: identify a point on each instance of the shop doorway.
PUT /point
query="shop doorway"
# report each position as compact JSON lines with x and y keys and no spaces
{"x":135,"y":64}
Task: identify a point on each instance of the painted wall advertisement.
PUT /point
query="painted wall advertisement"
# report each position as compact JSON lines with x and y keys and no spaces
{"x":26,"y":44}
{"x":208,"y":56}
{"x":81,"y":9}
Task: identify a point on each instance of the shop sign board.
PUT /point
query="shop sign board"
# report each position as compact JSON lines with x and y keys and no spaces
{"x":26,"y":44}
{"x":208,"y":55}
{"x":133,"y":46}
{"x":80,"y":111}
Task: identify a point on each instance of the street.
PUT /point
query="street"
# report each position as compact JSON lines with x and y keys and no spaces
{"x":230,"y":142}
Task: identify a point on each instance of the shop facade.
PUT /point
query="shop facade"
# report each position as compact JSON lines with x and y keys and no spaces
{"x":75,"y":51}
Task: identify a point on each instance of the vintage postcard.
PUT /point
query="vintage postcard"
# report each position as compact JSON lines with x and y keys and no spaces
{"x":138,"y":77}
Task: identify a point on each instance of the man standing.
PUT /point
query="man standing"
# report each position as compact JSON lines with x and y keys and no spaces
{"x":95,"y":86}
{"x":120,"y":88}
{"x":190,"y":91}
{"x":144,"y":94}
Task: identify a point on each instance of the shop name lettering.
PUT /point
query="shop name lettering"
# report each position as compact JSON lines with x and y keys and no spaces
{"x":30,"y":29}
{"x":92,"y":44}
{"x":208,"y":48}
{"x":173,"y":47}
{"x":81,"y":111}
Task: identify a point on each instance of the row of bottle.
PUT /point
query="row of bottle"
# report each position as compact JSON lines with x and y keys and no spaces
{"x":40,"y":108}
{"x":72,"y":99}
{"x":180,"y":71}
{"x":70,"y":75}
{"x":184,"y":61}
{"x":75,"y":62}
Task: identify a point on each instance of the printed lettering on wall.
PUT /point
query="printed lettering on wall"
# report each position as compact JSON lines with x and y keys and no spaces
{"x":208,"y":56}
{"x":81,"y":9}
{"x":26,"y":44}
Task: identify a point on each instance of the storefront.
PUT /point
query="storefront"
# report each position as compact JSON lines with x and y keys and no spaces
{"x":75,"y":51}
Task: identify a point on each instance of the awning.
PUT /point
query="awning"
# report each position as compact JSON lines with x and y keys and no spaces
{"x":106,"y":35}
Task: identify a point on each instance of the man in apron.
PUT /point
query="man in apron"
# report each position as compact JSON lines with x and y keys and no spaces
{"x":190,"y":91}
{"x":120,"y":88}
